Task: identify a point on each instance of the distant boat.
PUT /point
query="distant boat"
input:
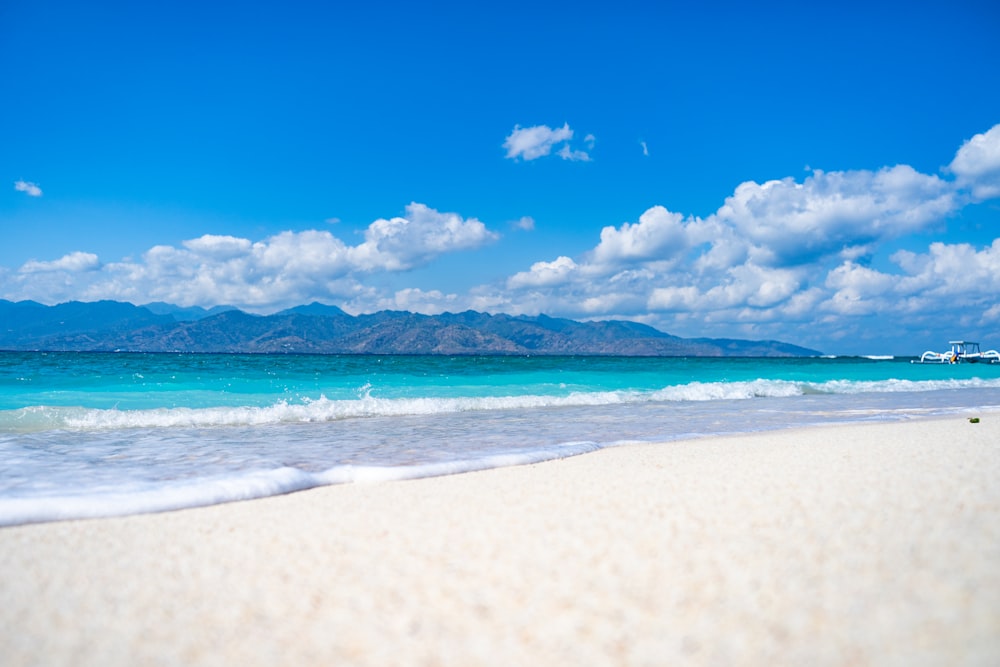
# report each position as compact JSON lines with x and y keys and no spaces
{"x":961,"y":352}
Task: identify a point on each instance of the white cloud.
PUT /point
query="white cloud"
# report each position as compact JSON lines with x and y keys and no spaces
{"x":568,"y":153}
{"x":525,"y":223}
{"x":952,"y":271}
{"x":829,"y":212}
{"x":219,"y":247}
{"x":284,"y":269}
{"x":860,"y":281}
{"x":742,"y":286}
{"x":858,"y":290}
{"x":669,"y":299}
{"x":953,"y":284}
{"x":725,"y":249}
{"x":306,"y":253}
{"x":544,"y":274}
{"x":531,"y":143}
{"x":405,"y":242}
{"x":763,"y":287}
{"x":430,"y":302}
{"x":30,"y":189}
{"x":784,"y":255}
{"x":802,"y":305}
{"x":977,"y":164}
{"x":659,"y":234}
{"x":74,"y":261}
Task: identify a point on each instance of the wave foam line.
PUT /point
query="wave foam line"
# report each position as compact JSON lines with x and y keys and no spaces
{"x":250,"y":486}
{"x":42,"y":418}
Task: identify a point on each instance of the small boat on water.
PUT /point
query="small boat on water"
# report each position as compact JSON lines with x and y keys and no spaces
{"x":961,"y":352}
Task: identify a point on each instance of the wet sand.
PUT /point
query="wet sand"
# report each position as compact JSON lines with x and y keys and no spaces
{"x":839,"y":545}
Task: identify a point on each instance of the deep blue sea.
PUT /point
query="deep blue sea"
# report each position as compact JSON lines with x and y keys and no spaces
{"x":102,"y":434}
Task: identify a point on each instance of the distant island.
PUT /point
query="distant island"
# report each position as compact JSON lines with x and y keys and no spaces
{"x":321,"y":329}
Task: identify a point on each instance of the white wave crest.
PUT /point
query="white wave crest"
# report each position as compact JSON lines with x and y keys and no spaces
{"x":44,"y":418}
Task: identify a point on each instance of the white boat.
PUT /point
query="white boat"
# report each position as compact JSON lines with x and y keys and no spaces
{"x":961,"y":352}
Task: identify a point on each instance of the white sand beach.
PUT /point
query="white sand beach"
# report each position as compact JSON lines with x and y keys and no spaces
{"x":874,"y":544}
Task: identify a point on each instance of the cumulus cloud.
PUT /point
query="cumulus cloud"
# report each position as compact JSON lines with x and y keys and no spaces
{"x":745,"y":285}
{"x":402,"y":243}
{"x":957,"y":282}
{"x":674,"y":298}
{"x":531,"y":143}
{"x":30,"y":189}
{"x":977,"y":164}
{"x":220,"y":247}
{"x":788,"y":253}
{"x":952,"y":271}
{"x":283,"y":269}
{"x":74,"y":261}
{"x":544,"y":274}
{"x":659,"y":234}
{"x":795,"y":222}
{"x":858,"y":290}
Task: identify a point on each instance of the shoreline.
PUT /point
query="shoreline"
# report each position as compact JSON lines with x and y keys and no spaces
{"x":270,"y":482}
{"x":849,"y":543}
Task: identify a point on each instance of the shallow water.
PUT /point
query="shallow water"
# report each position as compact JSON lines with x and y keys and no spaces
{"x":103,"y":434}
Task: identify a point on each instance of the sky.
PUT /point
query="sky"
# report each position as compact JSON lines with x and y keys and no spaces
{"x":826,"y":174}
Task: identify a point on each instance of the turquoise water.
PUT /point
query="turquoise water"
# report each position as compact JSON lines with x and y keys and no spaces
{"x":92,"y":434}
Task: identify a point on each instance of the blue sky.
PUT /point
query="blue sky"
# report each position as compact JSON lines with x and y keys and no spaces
{"x":822,"y":174}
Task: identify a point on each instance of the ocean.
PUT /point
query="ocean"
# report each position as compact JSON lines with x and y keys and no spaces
{"x":106,"y":434}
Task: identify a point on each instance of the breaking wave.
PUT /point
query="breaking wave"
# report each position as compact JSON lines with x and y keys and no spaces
{"x":46,"y":418}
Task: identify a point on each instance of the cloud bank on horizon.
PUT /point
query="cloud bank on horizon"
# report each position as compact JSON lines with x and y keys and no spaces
{"x":807,"y":259}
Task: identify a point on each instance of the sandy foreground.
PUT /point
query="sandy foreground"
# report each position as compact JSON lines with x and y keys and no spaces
{"x":843,"y":545}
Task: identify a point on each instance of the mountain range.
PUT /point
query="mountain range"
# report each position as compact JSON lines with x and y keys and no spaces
{"x":323,"y":329}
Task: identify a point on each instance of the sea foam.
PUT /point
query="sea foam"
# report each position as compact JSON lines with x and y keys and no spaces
{"x":143,"y":498}
{"x":43,"y":418}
